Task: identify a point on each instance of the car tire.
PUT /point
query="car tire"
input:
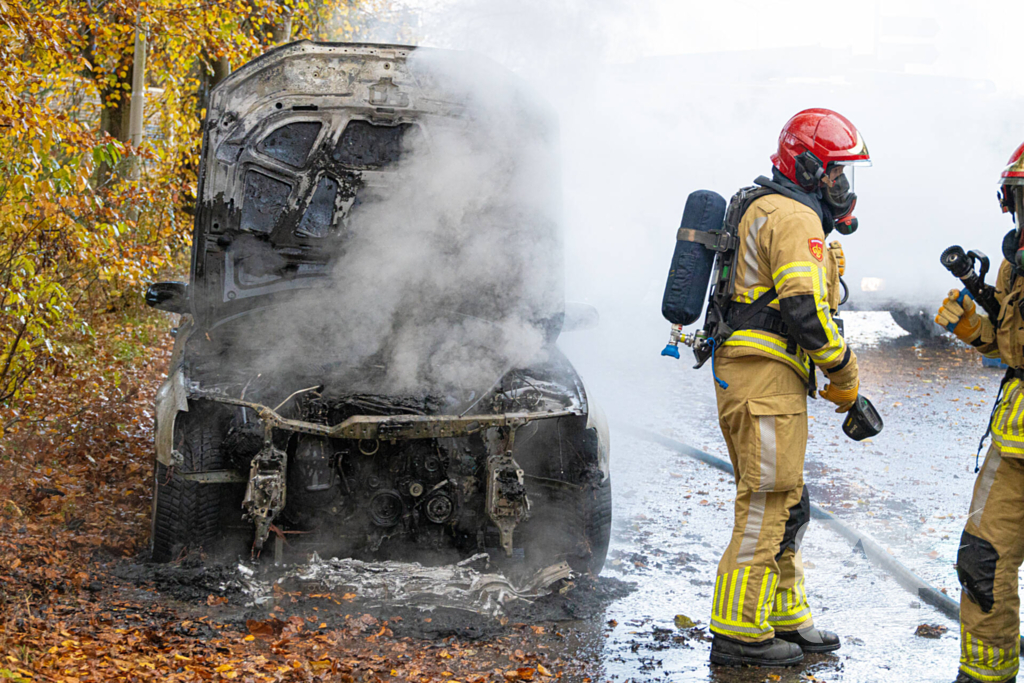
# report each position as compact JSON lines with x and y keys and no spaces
{"x":186,"y":514}
{"x":597,"y":516}
{"x":570,"y":524}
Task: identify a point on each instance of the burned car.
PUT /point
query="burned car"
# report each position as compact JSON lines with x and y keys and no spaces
{"x":366,"y":360}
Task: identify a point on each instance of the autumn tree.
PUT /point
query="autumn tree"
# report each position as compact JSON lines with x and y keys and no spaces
{"x":76,"y":236}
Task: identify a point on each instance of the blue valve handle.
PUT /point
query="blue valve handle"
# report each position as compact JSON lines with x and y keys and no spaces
{"x":959,"y":300}
{"x":670,"y":350}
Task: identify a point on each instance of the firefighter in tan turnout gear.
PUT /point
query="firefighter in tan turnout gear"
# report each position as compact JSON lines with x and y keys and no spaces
{"x":992,"y":545}
{"x":760,"y":614}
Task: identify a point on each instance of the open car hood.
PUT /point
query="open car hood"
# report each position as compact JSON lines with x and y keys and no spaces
{"x":304,"y":158}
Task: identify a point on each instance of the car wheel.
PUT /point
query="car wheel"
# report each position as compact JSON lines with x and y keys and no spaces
{"x":186,"y":514}
{"x":597,"y":516}
{"x":570,"y":524}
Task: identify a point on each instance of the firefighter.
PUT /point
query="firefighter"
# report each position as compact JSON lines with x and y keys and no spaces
{"x":992,"y":544}
{"x":766,"y":368}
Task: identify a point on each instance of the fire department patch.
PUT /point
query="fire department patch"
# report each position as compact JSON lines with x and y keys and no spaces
{"x":817,"y":248}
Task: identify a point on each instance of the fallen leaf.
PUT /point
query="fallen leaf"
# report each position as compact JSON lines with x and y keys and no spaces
{"x":930,"y":630}
{"x":683,"y":621}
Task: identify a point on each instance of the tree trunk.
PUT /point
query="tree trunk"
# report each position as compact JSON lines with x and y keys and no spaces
{"x":281,"y":32}
{"x":115,"y":103}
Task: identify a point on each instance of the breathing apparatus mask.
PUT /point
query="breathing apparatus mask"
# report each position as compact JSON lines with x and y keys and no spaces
{"x":838,"y":194}
{"x":842,"y":200}
{"x":1011,"y":199}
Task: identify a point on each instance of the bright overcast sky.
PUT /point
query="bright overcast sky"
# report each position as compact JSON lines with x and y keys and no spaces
{"x":977,"y":40}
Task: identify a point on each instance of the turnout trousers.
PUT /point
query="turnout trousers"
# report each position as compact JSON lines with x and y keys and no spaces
{"x":760,"y":584}
{"x":991,"y":552}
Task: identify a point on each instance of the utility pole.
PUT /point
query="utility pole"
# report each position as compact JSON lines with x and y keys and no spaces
{"x":138,"y":102}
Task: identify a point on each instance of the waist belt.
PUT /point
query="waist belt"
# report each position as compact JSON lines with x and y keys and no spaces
{"x":767,"y":319}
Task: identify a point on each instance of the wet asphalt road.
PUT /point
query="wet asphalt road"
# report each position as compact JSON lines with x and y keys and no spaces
{"x":908,"y":488}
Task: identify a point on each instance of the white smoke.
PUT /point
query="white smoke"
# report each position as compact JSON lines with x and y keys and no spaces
{"x":450,"y":266}
{"x":661,"y":98}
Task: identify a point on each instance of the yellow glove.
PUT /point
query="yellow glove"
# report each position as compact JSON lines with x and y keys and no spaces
{"x":963,"y":315}
{"x":837,"y":251}
{"x":843,"y":398}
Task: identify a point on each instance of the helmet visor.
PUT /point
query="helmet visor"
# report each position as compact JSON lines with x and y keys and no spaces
{"x":853,"y":162}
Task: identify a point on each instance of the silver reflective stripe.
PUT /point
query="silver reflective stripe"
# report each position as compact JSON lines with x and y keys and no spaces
{"x":792,"y":270}
{"x":754,"y":631}
{"x":766,"y":423}
{"x":750,"y":277}
{"x":755,"y":516}
{"x":985,"y":479}
{"x":737,"y":591}
{"x":723,"y":607}
{"x":789,"y":617}
{"x":983,"y":671}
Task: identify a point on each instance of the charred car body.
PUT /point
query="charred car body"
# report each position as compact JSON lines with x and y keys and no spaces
{"x":366,"y":360}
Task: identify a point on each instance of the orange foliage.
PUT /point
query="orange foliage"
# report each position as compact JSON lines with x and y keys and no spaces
{"x":78,"y":232}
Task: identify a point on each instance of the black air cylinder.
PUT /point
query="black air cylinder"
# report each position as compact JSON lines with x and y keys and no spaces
{"x":692,"y":262}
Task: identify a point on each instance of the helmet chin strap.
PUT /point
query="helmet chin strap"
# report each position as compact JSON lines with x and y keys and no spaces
{"x":1018,"y":206}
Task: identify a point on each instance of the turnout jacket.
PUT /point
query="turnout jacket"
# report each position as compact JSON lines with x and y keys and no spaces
{"x":782,"y":244}
{"x":1005,"y":340}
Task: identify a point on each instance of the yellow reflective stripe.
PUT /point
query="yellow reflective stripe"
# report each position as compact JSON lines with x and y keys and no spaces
{"x":751,"y":295}
{"x":761,"y":613}
{"x":732,"y":593}
{"x":737,"y":630}
{"x":836,"y":347}
{"x":740,"y":623}
{"x":767,"y":344}
{"x":986,"y":662}
{"x":792,"y":268}
{"x":743,"y":592}
{"x":719,"y":594}
{"x":1015,"y":414}
{"x":802,"y":617}
{"x":1007,"y":427}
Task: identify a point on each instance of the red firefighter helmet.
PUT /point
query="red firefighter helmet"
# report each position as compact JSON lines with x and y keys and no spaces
{"x":1012,"y":175}
{"x":815,"y":139}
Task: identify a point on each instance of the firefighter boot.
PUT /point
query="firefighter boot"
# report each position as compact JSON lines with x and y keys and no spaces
{"x":811,"y":639}
{"x":771,"y":652}
{"x":961,"y":677}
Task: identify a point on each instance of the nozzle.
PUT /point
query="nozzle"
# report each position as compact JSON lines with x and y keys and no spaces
{"x":670,"y":350}
{"x":956,"y":261}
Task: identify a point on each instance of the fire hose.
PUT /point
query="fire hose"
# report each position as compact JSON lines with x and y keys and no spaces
{"x":871,"y":550}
